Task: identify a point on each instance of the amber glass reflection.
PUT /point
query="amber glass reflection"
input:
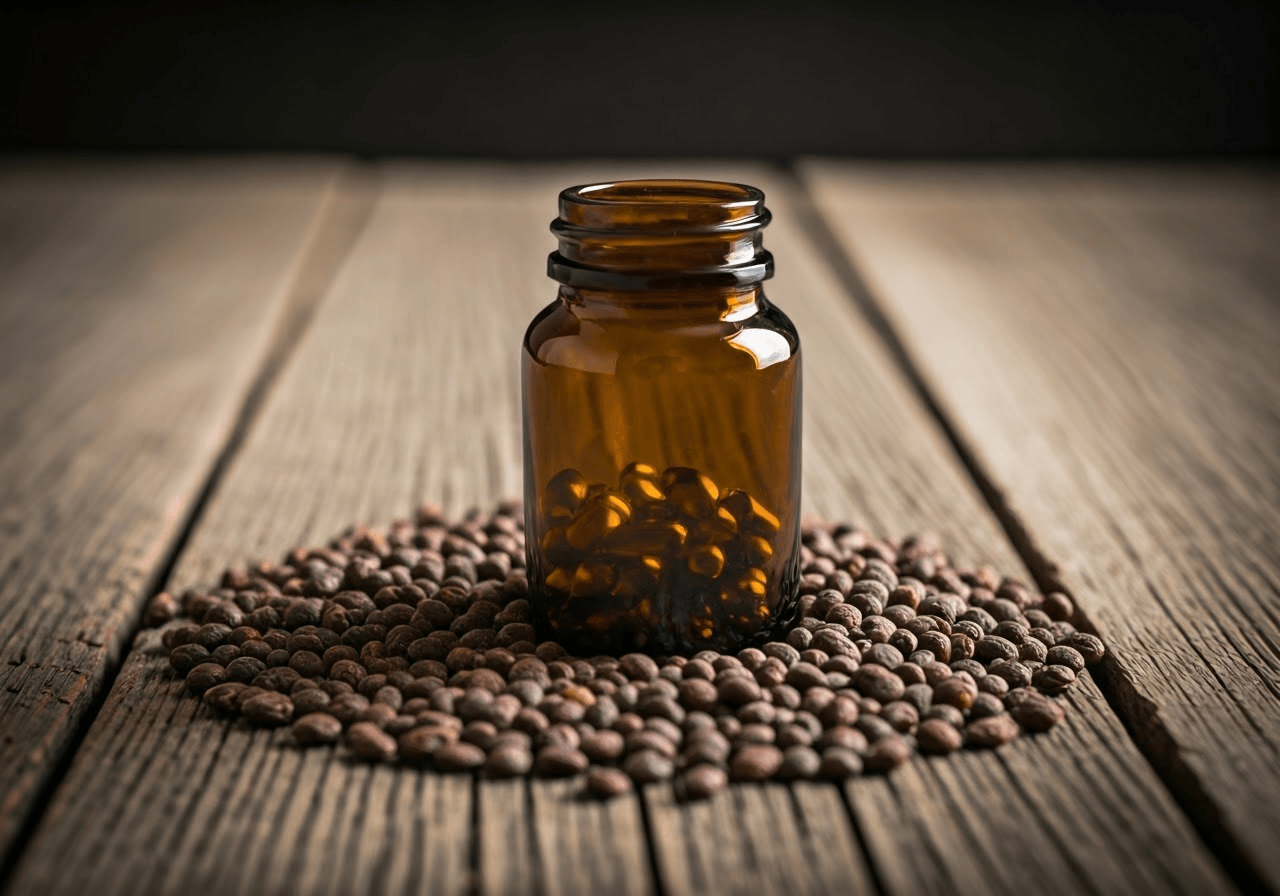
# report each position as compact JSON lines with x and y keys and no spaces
{"x":661,"y":425}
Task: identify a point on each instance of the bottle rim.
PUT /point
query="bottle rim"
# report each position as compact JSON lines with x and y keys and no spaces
{"x":666,"y":205}
{"x":645,"y":234}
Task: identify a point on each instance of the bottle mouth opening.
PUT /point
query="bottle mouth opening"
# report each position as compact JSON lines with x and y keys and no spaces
{"x":660,"y":234}
{"x":662,"y":205}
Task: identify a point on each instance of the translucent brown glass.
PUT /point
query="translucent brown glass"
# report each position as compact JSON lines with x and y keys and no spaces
{"x":661,"y":425}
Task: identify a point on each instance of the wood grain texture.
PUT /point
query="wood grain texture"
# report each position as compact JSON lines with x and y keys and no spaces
{"x":553,"y":837}
{"x":137,"y":305}
{"x":950,"y":824}
{"x":404,"y":389}
{"x":751,"y":839}
{"x":586,"y":846}
{"x":1104,"y":342}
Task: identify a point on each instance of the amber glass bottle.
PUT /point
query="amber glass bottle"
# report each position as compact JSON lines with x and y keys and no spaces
{"x":661,"y":424}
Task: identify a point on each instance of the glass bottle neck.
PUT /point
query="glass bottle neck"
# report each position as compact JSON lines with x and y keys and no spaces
{"x":693,"y":305}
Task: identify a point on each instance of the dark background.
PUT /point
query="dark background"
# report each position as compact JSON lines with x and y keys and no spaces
{"x":578,"y":79}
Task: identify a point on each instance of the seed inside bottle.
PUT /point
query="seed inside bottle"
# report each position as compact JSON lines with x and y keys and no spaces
{"x":707,"y":560}
{"x":665,"y":558}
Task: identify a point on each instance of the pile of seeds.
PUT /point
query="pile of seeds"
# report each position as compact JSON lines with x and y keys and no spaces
{"x":413,"y":644}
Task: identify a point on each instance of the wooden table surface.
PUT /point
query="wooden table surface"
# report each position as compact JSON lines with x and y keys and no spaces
{"x":1071,"y":372}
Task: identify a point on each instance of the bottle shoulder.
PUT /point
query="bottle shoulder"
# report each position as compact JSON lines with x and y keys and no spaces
{"x":560,"y":337}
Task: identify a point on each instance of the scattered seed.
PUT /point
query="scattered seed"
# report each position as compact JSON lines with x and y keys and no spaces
{"x":429,"y":656}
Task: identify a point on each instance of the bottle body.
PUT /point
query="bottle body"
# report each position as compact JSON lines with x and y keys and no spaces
{"x":662,"y":466}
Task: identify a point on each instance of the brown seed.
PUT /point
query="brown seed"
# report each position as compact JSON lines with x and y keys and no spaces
{"x":483,"y":734}
{"x":935,"y":672}
{"x":759,"y":712}
{"x":660,"y":706}
{"x":738,"y":690}
{"x":706,"y":747}
{"x":703,"y":781}
{"x":246,"y":695}
{"x":803,"y":676}
{"x":1063,"y":655}
{"x":638,"y":667}
{"x":508,"y":760}
{"x":370,"y":742}
{"x":840,"y":711}
{"x":879,"y":683}
{"x":993,"y":684}
{"x":603,"y":745}
{"x":628,"y":722}
{"x":225,"y":697}
{"x":647,"y":739}
{"x":755,"y":733}
{"x":991,"y":731}
{"x":1090,"y":647}
{"x":839,"y":763}
{"x":1016,"y":673}
{"x":955,"y":691}
{"x":755,"y":762}
{"x":269,"y":708}
{"x":1036,"y":712}
{"x":309,"y":700}
{"x":816,"y":699}
{"x":901,"y":715}
{"x":459,"y":757}
{"x":698,"y":668}
{"x":347,"y":708}
{"x":985,"y":705}
{"x":205,"y":676}
{"x":420,"y":743}
{"x":606,"y":783}
{"x":1033,"y":650}
{"x":160,"y":609}
{"x":378,"y":713}
{"x":886,"y":754}
{"x":1011,"y":631}
{"x":920,"y":696}
{"x":799,"y":762}
{"x":561,"y":734}
{"x":786,"y":653}
{"x":648,"y":767}
{"x":844,"y":737}
{"x":316,"y":728}
{"x":948,"y":714}
{"x":559,"y":760}
{"x":874,"y":727}
{"x":994,"y":647}
{"x":186,"y":657}
{"x":937,"y":736}
{"x":791,"y":735}
{"x":1053,"y":679}
{"x":1058,"y":606}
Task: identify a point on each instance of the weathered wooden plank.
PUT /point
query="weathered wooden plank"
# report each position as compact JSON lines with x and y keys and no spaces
{"x":505,"y":837}
{"x":1104,"y":343}
{"x":114,"y":279}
